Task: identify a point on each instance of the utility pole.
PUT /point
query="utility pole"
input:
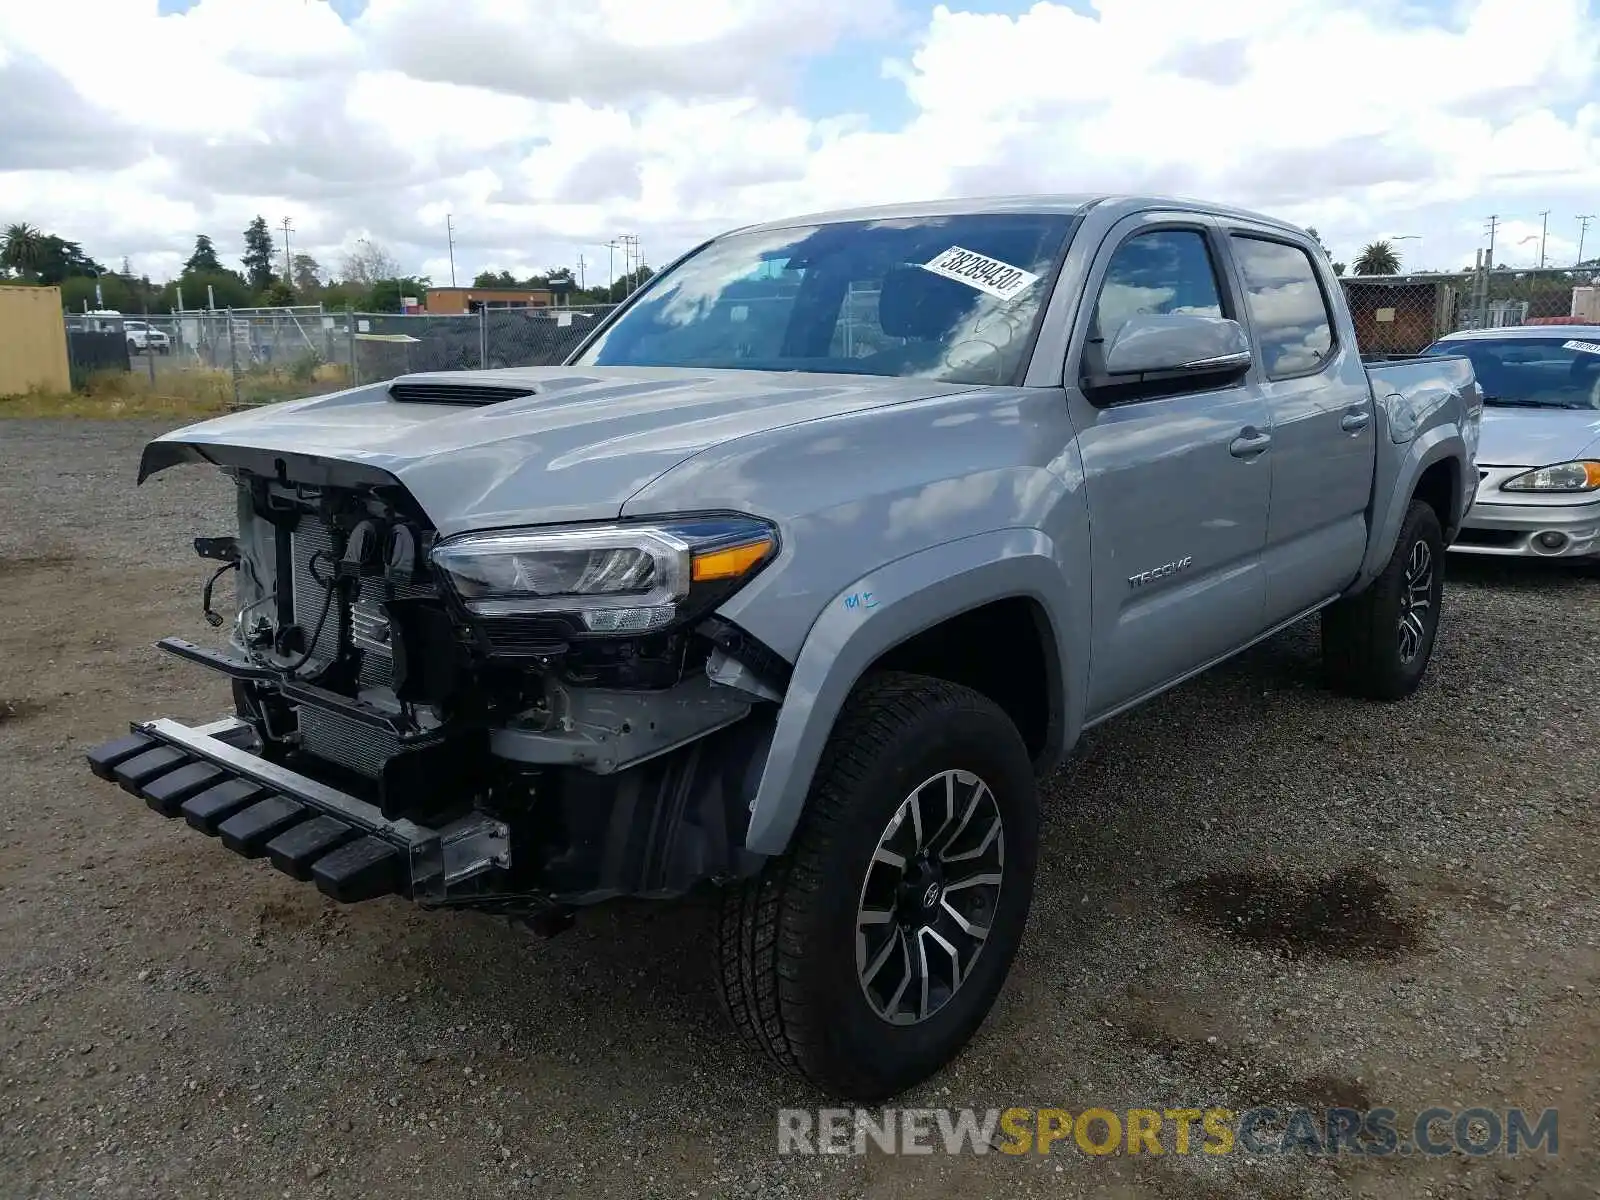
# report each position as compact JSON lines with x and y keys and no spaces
{"x":581,"y":266}
{"x":631,"y":258}
{"x":611,"y":268}
{"x":1583,"y":228}
{"x":1544,"y":229}
{"x":450,"y":238}
{"x":1494,"y":223}
{"x":288,"y":264}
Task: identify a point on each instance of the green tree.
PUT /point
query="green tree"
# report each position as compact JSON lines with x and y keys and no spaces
{"x":1317,"y":238}
{"x":494,"y":279}
{"x":278,"y":294}
{"x":386,"y":293}
{"x":227,"y":289}
{"x":306,"y":275}
{"x":344,"y":294}
{"x":625,"y":285}
{"x":20,"y":254}
{"x":204,"y":258}
{"x":57,"y":260}
{"x":1378,"y":258}
{"x":258,"y":255}
{"x":1338,"y":268}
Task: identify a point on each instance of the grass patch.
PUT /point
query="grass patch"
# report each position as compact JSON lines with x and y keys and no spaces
{"x":110,"y":395}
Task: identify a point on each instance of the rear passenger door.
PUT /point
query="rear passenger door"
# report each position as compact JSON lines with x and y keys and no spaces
{"x":1176,"y":474}
{"x":1320,"y":405}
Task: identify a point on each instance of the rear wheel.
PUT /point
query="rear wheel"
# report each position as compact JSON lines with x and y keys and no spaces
{"x":866,"y":957}
{"x":1377,"y":644}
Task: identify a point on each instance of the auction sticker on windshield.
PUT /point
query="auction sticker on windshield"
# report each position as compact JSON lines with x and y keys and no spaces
{"x":998,"y":279}
{"x":1582,"y":347}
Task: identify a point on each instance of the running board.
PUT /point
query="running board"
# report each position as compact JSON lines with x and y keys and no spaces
{"x":209,"y":775}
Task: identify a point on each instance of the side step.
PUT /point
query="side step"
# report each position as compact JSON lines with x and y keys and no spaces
{"x":308,"y":830}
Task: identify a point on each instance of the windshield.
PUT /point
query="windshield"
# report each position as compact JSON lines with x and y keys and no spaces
{"x":1522,"y":372}
{"x":953,"y":298}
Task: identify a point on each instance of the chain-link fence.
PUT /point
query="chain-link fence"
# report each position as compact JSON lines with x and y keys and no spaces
{"x":256,"y":356}
{"x":1403,"y":314}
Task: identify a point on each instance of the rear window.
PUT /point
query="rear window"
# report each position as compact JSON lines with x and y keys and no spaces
{"x":1537,"y":372}
{"x":1288,"y":311}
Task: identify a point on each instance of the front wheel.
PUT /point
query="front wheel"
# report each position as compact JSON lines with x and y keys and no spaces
{"x":867,"y":956}
{"x":1377,"y":643}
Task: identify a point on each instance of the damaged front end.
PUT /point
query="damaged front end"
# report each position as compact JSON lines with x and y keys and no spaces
{"x":523,"y":720}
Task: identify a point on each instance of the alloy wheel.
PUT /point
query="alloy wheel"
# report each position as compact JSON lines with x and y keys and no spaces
{"x":931,"y":892}
{"x":1416,"y":601}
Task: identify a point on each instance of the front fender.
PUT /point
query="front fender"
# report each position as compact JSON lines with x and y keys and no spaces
{"x":888,"y":606}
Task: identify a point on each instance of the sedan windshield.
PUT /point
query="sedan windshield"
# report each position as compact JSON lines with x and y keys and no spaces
{"x":1522,"y":372}
{"x":953,"y":298}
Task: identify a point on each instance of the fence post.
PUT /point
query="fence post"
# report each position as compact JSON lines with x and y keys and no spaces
{"x":149,"y":346}
{"x":483,"y":336}
{"x":233,"y":359}
{"x":350,"y":337}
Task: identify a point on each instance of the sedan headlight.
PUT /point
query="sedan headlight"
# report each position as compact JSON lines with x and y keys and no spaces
{"x":616,"y":579}
{"x":1563,"y":477}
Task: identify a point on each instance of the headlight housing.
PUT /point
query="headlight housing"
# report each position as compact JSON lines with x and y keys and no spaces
{"x":1581,"y":476}
{"x":617,"y":579}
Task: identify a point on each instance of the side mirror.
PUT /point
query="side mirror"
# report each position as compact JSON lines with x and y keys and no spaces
{"x":1178,"y":342}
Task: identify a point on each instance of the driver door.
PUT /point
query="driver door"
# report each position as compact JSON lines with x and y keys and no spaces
{"x":1177,"y":476}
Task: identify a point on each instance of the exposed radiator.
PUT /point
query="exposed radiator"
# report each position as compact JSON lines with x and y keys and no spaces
{"x":349,"y":743}
{"x":330,"y":735}
{"x":364,"y":621}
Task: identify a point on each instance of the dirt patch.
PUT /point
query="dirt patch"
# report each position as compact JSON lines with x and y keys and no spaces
{"x":1349,"y":914}
{"x":43,"y":561}
{"x":19,"y":710}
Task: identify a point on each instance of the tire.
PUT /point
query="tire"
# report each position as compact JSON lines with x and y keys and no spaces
{"x":1377,"y":644}
{"x":789,"y":969}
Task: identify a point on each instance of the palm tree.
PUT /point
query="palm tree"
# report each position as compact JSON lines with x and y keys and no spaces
{"x":20,"y":253}
{"x":1378,"y":258}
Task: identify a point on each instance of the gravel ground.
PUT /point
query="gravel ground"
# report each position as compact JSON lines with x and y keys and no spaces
{"x":177,"y":1021}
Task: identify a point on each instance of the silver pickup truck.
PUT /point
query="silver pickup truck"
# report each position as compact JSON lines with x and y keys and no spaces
{"x":796,"y":578}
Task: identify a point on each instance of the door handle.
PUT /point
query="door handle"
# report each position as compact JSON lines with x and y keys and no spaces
{"x":1354,"y":421}
{"x":1250,"y":442}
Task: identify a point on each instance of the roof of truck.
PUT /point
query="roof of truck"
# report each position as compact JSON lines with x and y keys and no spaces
{"x":1579,"y":332}
{"x":1069,"y":204}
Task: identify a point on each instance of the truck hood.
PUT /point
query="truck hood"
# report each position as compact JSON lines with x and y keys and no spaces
{"x":1536,"y":437}
{"x":576,"y":449}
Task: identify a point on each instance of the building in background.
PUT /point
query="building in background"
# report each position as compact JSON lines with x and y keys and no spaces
{"x":454,"y":300}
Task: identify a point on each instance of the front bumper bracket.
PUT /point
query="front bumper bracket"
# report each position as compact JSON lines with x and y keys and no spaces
{"x":210,"y":776}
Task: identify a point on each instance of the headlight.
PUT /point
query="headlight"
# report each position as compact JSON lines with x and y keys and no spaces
{"x":623,"y":578}
{"x":1563,"y":477}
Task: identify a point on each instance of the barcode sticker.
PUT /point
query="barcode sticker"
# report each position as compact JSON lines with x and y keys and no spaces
{"x":990,"y":275}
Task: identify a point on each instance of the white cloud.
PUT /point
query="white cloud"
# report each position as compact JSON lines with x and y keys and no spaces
{"x":547,"y":126}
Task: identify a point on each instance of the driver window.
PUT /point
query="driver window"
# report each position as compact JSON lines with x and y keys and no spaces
{"x":1164,"y":271}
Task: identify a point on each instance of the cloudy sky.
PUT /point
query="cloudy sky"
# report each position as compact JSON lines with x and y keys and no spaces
{"x":547,"y":127}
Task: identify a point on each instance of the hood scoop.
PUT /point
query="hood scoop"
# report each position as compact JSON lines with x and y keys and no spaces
{"x":445,"y":392}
